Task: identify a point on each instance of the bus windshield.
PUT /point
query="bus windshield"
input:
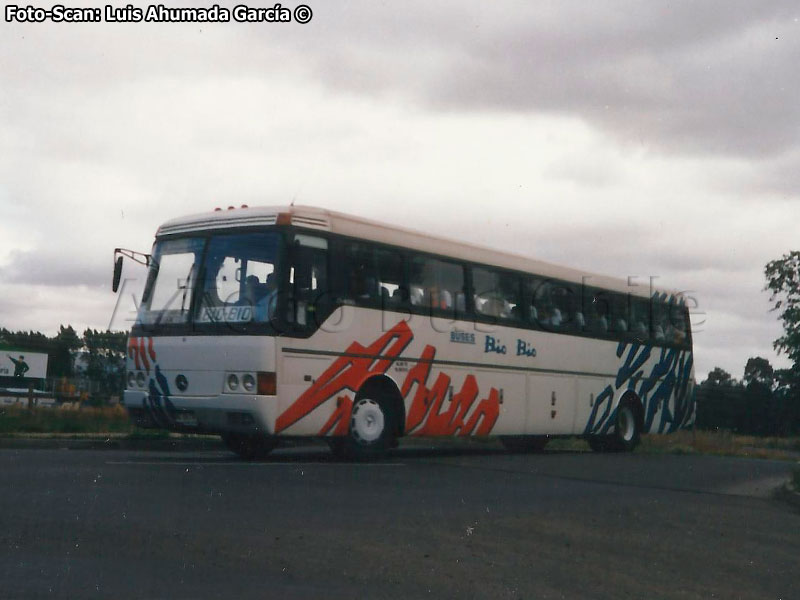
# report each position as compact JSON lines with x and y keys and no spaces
{"x":235,"y":276}
{"x":240,"y":282}
{"x":168,"y":292}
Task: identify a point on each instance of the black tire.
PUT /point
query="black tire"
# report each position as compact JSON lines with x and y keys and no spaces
{"x":249,"y":447}
{"x":598,"y":443}
{"x":626,"y":434}
{"x":371,"y":433}
{"x":524,"y":443}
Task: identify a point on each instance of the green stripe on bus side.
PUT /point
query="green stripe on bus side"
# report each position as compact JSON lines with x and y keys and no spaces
{"x":453,"y":363}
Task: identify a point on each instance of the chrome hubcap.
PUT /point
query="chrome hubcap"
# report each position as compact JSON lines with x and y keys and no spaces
{"x":626,"y":426}
{"x":367,"y":421}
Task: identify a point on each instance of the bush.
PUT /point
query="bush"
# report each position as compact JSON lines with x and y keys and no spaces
{"x":66,"y":419}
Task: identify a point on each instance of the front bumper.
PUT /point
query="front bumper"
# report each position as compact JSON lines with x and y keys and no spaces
{"x":222,"y":413}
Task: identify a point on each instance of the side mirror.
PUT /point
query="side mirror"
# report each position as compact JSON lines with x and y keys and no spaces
{"x":117,"y":274}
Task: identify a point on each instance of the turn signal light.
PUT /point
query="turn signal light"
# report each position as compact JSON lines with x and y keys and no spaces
{"x":266,"y":384}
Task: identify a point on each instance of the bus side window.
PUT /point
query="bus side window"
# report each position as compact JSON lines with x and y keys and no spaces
{"x":552,"y":309}
{"x":437,"y":285}
{"x":496,"y":294}
{"x":390,"y":277}
{"x":677,"y":310}
{"x":659,"y":320}
{"x":619,"y":315}
{"x":565,"y":305}
{"x":640,"y":320}
{"x":600,"y":312}
{"x":308,"y":281}
{"x":362,"y":277}
{"x":531,"y":294}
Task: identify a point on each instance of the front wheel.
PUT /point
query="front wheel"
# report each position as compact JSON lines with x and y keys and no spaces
{"x":371,"y":431}
{"x":249,"y":447}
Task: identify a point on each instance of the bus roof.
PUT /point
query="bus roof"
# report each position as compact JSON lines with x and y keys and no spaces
{"x":321,"y":219}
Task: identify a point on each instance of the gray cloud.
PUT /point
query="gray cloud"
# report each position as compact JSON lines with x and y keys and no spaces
{"x":719,"y":77}
{"x":57,"y":268}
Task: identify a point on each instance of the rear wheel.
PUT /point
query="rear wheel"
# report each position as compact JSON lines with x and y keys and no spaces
{"x":626,"y":434}
{"x":525,"y":443}
{"x":249,"y":446}
{"x":626,"y":429}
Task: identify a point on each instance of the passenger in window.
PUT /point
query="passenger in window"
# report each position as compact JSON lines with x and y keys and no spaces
{"x":262,"y":297}
{"x":493,"y":306}
{"x":599,"y":322}
{"x":441,"y":299}
{"x":669,"y":331}
{"x":362,"y":286}
{"x":461,"y":304}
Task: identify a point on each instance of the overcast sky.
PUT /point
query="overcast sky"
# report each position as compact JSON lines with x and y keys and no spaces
{"x":649,"y":139}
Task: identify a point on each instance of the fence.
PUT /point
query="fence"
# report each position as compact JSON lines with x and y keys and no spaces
{"x":58,"y":390}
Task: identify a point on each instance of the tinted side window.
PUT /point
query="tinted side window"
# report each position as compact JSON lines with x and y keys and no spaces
{"x":620,"y":319}
{"x":437,"y":285}
{"x":677,"y":312}
{"x":308,"y":298}
{"x":640,"y":319}
{"x":389,"y":265}
{"x":496,"y":294}
{"x":659,"y":320}
{"x":555,"y":306}
{"x":599,"y":309}
{"x":361,"y":281}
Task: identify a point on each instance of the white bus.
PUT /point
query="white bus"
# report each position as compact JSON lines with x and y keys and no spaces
{"x":261,"y":324}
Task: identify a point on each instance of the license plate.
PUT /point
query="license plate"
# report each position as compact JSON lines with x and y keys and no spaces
{"x":186,"y":418}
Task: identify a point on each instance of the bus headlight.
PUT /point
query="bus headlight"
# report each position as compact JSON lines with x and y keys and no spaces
{"x":140,"y":379}
{"x":249,"y":382}
{"x":131,"y":379}
{"x":233,"y":382}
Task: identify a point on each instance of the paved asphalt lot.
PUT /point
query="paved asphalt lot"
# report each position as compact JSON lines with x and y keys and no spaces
{"x":425,"y":523}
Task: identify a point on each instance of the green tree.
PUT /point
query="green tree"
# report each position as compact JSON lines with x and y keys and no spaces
{"x":719,"y":377}
{"x":759,"y":371}
{"x":64,"y":345}
{"x":783,"y":281}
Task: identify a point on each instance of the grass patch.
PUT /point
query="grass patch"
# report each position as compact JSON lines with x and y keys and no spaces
{"x":106,"y":419}
{"x":721,"y":443}
{"x":568,"y":445}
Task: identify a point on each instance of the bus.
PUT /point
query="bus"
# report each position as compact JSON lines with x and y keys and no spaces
{"x":262,"y":324}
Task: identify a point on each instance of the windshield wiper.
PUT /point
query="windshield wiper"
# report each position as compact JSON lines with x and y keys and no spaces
{"x":185,"y":288}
